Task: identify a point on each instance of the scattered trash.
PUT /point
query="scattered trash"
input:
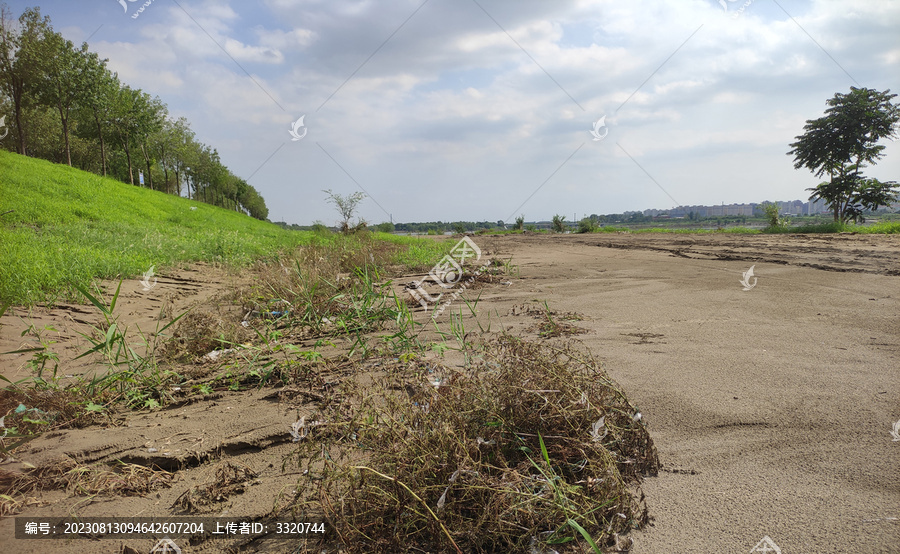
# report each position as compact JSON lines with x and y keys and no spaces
{"x":300,"y":429}
{"x":216,"y":354}
{"x":479,"y":441}
{"x":895,"y":432}
{"x":637,"y":417}
{"x":507,"y":283}
{"x":442,"y":500}
{"x":277,"y":309}
{"x":193,"y":207}
{"x":152,"y":450}
{"x":595,"y":431}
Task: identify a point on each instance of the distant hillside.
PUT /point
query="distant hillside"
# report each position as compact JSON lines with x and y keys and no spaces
{"x":68,"y":225}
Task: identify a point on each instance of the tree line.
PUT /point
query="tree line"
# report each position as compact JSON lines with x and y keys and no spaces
{"x":61,"y":103}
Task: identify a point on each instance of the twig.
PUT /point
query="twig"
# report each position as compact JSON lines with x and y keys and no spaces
{"x":7,"y":212}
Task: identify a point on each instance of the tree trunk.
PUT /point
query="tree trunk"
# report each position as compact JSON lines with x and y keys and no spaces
{"x":63,"y":117}
{"x":102,"y":144}
{"x":147,"y":161}
{"x":128,"y":156}
{"x":20,"y":142}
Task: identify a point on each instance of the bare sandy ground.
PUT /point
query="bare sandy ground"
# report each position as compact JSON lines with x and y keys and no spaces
{"x":771,"y":408}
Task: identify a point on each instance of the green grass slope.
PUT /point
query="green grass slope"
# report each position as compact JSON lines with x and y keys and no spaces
{"x":69,"y":226}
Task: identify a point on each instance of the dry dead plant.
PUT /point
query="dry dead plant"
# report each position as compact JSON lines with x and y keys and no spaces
{"x":230,"y":479}
{"x":525,"y":448}
{"x":121,"y":479}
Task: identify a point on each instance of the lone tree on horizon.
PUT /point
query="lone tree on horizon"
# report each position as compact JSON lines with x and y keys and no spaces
{"x":841,"y":144}
{"x":346,"y":206}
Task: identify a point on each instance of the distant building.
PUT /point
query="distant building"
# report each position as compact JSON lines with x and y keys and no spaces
{"x":792,"y":207}
{"x":816,"y":206}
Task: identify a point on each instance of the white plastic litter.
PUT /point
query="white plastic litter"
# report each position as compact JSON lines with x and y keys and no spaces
{"x":300,"y":428}
{"x":595,"y":431}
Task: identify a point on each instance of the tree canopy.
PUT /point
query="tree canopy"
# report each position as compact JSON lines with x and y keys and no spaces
{"x":66,"y":106}
{"x":841,"y":144}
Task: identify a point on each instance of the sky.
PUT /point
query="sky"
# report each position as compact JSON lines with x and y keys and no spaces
{"x":482,"y":110}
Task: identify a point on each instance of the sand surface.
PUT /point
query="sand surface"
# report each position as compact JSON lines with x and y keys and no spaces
{"x":771,"y":408}
{"x":774,"y":405}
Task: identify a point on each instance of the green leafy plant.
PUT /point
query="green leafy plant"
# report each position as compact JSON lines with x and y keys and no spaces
{"x":520,"y":223}
{"x":559,"y":223}
{"x":135,"y":378}
{"x":773,"y":218}
{"x":587,"y":225}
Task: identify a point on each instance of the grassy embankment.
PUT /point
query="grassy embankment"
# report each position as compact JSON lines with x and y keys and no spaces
{"x":68,"y":227}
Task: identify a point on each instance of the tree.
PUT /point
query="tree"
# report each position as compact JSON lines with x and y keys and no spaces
{"x":63,"y":80}
{"x":520,"y":223}
{"x":772,"y":215}
{"x":559,"y":223}
{"x":66,"y":106}
{"x":97,"y":104}
{"x":135,"y":115}
{"x":153,"y":114}
{"x":345,"y":205}
{"x":20,"y":62}
{"x":841,"y":144}
{"x":587,"y":225}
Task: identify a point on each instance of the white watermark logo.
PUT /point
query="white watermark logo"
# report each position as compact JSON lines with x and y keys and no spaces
{"x":448,"y":273}
{"x":166,"y":546}
{"x":146,"y":280}
{"x":296,"y":127}
{"x":600,"y":124}
{"x":3,"y":127}
{"x":746,"y":280}
{"x":766,"y":545}
{"x":740,"y":10}
{"x":139,"y":11}
{"x":895,"y":432}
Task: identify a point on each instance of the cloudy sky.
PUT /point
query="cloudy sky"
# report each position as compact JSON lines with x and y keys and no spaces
{"x":483,"y":109}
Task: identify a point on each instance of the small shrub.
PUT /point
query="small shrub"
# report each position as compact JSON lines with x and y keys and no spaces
{"x":773,"y":217}
{"x":520,"y":223}
{"x":559,"y":223}
{"x":587,"y":225}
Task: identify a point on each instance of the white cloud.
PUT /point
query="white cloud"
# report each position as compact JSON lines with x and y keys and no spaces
{"x":450,"y":119}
